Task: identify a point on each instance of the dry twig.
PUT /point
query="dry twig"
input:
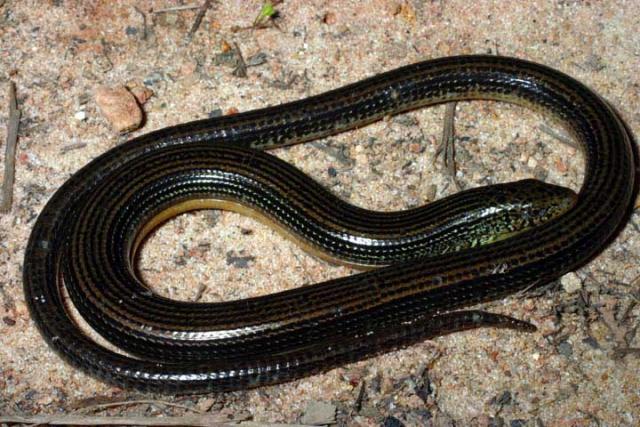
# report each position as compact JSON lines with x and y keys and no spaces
{"x":70,"y":147}
{"x":447,"y":144}
{"x":196,"y":23}
{"x":102,"y":406}
{"x":177,"y":8}
{"x":559,"y":135}
{"x":10,"y":151}
{"x":241,"y":66}
{"x":90,"y":420}
{"x":187,"y":420}
{"x":145,"y":30}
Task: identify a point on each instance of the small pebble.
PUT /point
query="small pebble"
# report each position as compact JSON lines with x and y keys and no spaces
{"x":225,"y":46}
{"x":257,"y":59}
{"x":504,"y":399}
{"x":565,"y":348}
{"x":532,"y":163}
{"x":205,"y":404}
{"x":141,"y":93}
{"x":571,"y":283}
{"x":591,"y":342}
{"x":119,"y":107}
{"x":561,"y":166}
{"x":80,"y":115}
{"x":416,"y":147}
{"x":329,"y":18}
{"x":217,"y":112}
{"x":392,"y":422}
{"x":153,"y":78}
{"x":319,"y":413}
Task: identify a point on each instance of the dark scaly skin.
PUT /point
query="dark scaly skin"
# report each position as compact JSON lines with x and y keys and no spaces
{"x":88,"y":232}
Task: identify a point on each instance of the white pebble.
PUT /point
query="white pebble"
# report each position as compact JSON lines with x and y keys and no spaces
{"x":571,"y":283}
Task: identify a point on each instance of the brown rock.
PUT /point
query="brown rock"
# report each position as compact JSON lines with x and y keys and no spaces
{"x":119,"y":107}
{"x":141,"y":93}
{"x":329,"y":18}
{"x":561,"y":166}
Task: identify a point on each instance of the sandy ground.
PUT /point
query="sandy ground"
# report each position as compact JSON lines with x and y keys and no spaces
{"x":572,"y":372}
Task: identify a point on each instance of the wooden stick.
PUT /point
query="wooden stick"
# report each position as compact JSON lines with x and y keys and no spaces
{"x":177,"y":8}
{"x":13,"y":124}
{"x":187,"y":420}
{"x":196,"y":23}
{"x":91,"y":420}
{"x":101,"y":406}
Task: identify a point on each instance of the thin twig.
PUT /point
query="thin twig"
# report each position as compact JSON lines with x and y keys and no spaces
{"x":101,"y":406}
{"x":145,"y":31}
{"x":196,"y":23}
{"x":187,"y":420}
{"x":70,"y":147}
{"x":447,"y":144}
{"x":90,"y":420}
{"x":241,"y":66}
{"x":177,"y":8}
{"x":199,"y":292}
{"x":560,"y":136}
{"x":13,"y":124}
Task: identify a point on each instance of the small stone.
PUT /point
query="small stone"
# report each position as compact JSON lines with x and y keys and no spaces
{"x":571,"y":283}
{"x":591,"y":342}
{"x":225,"y":46}
{"x":329,"y":18}
{"x":390,"y":421}
{"x":257,"y":59}
{"x":119,"y":107}
{"x":319,"y":413}
{"x":565,"y":349}
{"x":504,"y":399}
{"x":239,"y":261}
{"x":216,"y":112}
{"x":45,"y":399}
{"x":84,"y":99}
{"x":142,"y":93}
{"x":80,"y":115}
{"x":153,"y":78}
{"x":332,"y":172}
{"x":205,"y":404}
{"x":416,"y":147}
{"x":532,"y":163}
{"x":561,"y":166}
